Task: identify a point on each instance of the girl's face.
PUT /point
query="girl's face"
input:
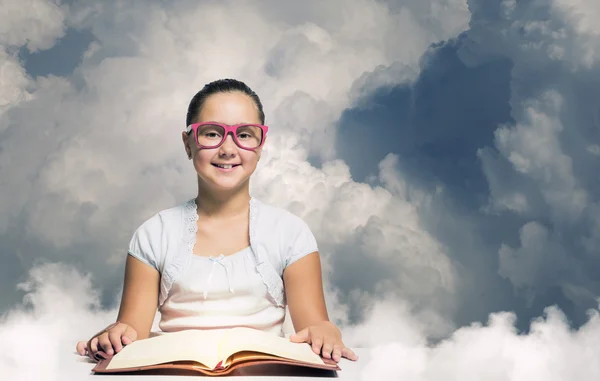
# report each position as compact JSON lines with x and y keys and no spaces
{"x":227,"y":108}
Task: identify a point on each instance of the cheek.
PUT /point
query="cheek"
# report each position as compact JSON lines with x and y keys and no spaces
{"x":249,"y":157}
{"x":204,"y":155}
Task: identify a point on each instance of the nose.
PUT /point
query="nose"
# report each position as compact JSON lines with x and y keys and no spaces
{"x":228,"y":147}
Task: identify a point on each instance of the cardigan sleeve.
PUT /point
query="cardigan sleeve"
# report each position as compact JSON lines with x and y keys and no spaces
{"x":143,"y":245}
{"x":300,"y":240}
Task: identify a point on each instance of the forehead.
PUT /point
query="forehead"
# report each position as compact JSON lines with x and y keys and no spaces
{"x":229,"y":108}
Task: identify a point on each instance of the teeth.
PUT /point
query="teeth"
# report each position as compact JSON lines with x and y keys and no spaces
{"x":225,"y":166}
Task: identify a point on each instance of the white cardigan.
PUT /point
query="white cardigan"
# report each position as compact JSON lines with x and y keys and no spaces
{"x":277,"y":237}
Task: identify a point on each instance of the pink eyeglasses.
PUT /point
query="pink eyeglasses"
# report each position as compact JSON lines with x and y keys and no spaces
{"x":212,"y":134}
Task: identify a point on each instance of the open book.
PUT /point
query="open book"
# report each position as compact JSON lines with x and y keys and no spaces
{"x":212,"y":352}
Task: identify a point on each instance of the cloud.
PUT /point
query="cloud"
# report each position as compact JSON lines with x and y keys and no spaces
{"x":15,"y":82}
{"x":580,"y":15}
{"x":60,"y":306}
{"x":372,"y":238}
{"x":534,"y":151}
{"x":93,"y":160}
{"x":490,"y":194}
{"x":499,"y":130}
{"x":56,"y":314}
{"x":551,"y":350}
{"x":540,"y":167}
{"x":537,"y":264}
{"x":35,"y":24}
{"x":83,"y":182}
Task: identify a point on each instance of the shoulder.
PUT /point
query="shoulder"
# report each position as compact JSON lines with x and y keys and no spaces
{"x":153,"y":238}
{"x":166,"y":219}
{"x":287,"y":236}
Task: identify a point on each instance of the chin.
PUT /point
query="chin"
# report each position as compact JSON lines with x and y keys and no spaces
{"x":225,"y":185}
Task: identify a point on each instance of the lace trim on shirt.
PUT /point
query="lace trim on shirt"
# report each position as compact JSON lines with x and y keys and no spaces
{"x":270,"y":277}
{"x":190,"y":220}
{"x":266,"y":270}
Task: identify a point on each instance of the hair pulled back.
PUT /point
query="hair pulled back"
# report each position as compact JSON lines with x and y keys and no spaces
{"x":221,"y":86}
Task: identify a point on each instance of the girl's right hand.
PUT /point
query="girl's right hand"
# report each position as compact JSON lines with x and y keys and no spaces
{"x":107,"y":342}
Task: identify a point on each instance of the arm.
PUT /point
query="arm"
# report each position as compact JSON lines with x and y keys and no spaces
{"x":306,"y":301}
{"x":140,"y":296}
{"x":136,"y":313}
{"x":304,"y":292}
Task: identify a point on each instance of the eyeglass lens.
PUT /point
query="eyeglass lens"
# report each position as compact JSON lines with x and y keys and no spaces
{"x":248,"y":136}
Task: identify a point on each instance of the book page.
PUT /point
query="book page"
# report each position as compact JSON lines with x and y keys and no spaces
{"x":188,"y":345}
{"x":248,"y":339}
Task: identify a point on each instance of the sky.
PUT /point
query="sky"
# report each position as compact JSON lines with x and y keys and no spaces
{"x":444,"y":153}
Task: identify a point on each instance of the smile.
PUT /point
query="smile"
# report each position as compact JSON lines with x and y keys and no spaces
{"x":225,"y":166}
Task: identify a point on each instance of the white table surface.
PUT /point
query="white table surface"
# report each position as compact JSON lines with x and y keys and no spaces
{"x":76,"y":367}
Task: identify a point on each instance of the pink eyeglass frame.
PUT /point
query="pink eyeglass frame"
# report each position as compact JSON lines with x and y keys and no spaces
{"x":229,"y":129}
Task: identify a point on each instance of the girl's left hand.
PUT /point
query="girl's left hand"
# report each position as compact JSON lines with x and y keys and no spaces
{"x":326,"y":340}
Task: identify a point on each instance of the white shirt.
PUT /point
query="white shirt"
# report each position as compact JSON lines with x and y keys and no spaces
{"x":278,"y":238}
{"x":221,"y":292}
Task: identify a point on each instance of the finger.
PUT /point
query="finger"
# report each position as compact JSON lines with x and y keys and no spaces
{"x":105,"y":344}
{"x":317,"y":344}
{"x":126,"y":340}
{"x":129,"y":336}
{"x":114,"y":336}
{"x":92,"y":348}
{"x":349,"y":354}
{"x":337,"y":352}
{"x":300,"y":337}
{"x":327,"y":348}
{"x":93,"y":345}
{"x":121,"y":337}
{"x":81,"y":347}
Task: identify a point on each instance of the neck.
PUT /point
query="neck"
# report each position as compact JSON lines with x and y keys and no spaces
{"x":222,"y":204}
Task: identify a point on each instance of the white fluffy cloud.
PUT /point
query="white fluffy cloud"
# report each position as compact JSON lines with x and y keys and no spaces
{"x":582,"y":16}
{"x":90,"y":156}
{"x":60,"y":306}
{"x":551,"y":350}
{"x":35,"y":24}
{"x":90,"y":147}
{"x":56,"y":313}
{"x":98,"y":142}
{"x":371,"y":226}
{"x":14,"y":82}
{"x":533,"y":148}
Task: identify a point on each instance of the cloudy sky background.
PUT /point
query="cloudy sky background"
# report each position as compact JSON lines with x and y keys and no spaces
{"x":445,"y":154}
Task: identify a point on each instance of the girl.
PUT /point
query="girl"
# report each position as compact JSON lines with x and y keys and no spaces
{"x":223,"y":259}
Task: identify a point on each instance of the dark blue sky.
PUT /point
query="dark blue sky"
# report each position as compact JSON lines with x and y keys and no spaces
{"x":62,"y":58}
{"x":436,"y":127}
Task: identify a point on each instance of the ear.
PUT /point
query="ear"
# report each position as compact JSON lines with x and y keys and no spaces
{"x":185,"y":138}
